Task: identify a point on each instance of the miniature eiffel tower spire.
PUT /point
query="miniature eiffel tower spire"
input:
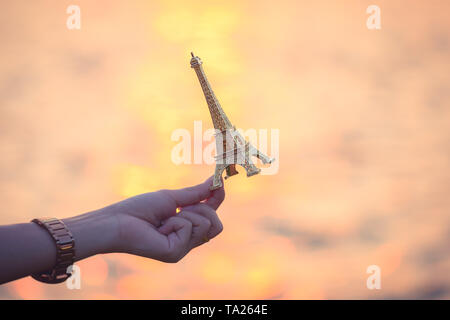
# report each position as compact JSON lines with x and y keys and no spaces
{"x":219,"y":118}
{"x":231,"y":147}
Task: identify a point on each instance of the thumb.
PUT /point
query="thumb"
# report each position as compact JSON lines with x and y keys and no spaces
{"x":191,"y":195}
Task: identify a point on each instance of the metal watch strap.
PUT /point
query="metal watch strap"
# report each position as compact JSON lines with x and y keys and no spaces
{"x":65,"y":250}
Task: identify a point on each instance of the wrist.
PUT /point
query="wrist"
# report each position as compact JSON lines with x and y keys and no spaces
{"x":94,"y":232}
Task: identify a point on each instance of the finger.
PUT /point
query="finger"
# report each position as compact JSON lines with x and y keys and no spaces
{"x":190,"y":195}
{"x":178,"y":231}
{"x":200,"y":227}
{"x":210,"y":214}
{"x":216,"y":198}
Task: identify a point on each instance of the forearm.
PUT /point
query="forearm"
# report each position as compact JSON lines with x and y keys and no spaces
{"x":24,"y":249}
{"x":28,"y":248}
{"x":94,"y":232}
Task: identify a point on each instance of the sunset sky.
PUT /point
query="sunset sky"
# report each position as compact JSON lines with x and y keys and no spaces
{"x":87,"y":115}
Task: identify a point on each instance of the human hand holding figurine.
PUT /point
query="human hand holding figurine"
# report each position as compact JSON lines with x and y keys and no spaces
{"x":147,"y":225}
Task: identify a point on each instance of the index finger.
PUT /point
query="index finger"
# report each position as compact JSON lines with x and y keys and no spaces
{"x":216,"y":198}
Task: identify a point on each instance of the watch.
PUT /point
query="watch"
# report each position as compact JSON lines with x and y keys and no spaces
{"x":65,"y":250}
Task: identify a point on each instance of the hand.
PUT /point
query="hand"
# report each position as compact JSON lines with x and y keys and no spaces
{"x":149,"y":226}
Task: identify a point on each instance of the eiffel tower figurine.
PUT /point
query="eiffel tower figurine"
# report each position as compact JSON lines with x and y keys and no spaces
{"x":231,"y":147}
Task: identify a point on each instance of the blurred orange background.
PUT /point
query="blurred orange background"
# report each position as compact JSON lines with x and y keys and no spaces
{"x":86,"y":118}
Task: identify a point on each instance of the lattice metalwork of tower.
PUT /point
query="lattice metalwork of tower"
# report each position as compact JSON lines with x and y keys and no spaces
{"x":231,"y":147}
